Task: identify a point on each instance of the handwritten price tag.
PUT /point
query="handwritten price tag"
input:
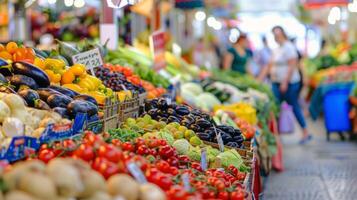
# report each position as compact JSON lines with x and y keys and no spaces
{"x":204,"y":164}
{"x":91,"y":59}
{"x":186,"y":181}
{"x":219,"y":140}
{"x":137,"y":173}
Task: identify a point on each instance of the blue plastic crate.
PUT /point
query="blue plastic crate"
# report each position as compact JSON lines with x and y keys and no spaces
{"x":336,"y":109}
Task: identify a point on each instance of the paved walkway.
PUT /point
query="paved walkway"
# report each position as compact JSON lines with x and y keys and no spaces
{"x":320,"y":170}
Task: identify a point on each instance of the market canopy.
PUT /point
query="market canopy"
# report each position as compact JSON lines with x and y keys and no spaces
{"x":324,"y":3}
{"x":189,"y":4}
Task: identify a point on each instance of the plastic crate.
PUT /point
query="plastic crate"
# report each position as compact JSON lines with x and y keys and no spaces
{"x":336,"y":110}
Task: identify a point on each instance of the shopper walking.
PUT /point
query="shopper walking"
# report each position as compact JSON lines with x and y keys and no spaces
{"x":238,"y":56}
{"x":286,"y":80}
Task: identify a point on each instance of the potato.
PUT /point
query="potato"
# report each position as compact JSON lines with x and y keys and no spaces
{"x":66,"y":177}
{"x":151,"y":191}
{"x":93,"y":182}
{"x":12,"y":177}
{"x":100,"y":195}
{"x":38,"y":185}
{"x":19,"y":195}
{"x":123,"y":185}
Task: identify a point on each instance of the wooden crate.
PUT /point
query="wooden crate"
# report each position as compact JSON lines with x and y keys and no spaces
{"x":129,"y":108}
{"x":110,"y":118}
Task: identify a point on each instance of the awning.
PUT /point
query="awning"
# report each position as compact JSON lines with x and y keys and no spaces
{"x":311,"y":4}
{"x":189,"y":4}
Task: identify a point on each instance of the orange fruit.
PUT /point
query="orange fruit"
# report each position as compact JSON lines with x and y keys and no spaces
{"x":5,"y":55}
{"x":67,"y":78}
{"x":11,"y":47}
{"x":2,"y":47}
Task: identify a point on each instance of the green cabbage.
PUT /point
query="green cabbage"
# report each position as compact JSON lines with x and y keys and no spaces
{"x":194,"y":153}
{"x":192,"y":87}
{"x":182,"y":146}
{"x":231,"y":157}
{"x":206,"y":101}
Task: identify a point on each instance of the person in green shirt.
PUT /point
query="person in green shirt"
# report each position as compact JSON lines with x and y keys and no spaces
{"x":238,"y":56}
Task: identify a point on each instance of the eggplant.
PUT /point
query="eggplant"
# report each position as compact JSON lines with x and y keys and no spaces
{"x":80,"y":106}
{"x":203,"y":123}
{"x":5,"y":68}
{"x":237,"y":132}
{"x":46,"y":92}
{"x":19,"y":80}
{"x":153,"y":112}
{"x":239,"y":139}
{"x":195,"y":128}
{"x":31,"y":71}
{"x":65,"y":91}
{"x":86,"y":98}
{"x":171,"y":111}
{"x":173,"y":119}
{"x":39,"y":104}
{"x":233,"y":144}
{"x":58,"y":100}
{"x":7,"y":89}
{"x":182,"y":110}
{"x":40,"y":53}
{"x":92,"y":108}
{"x":30,"y":96}
{"x":204,"y":136}
{"x":62,"y":111}
{"x":162,"y":104}
{"x":3,"y":79}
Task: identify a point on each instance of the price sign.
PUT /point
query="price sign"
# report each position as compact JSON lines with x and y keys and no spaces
{"x":186,"y":181}
{"x":157,"y":45}
{"x":137,"y":173}
{"x":219,"y":140}
{"x":91,"y":59}
{"x":204,"y":164}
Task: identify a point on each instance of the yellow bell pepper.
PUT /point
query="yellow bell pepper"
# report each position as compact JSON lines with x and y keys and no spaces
{"x":99,"y":97}
{"x":38,"y":62}
{"x":121,"y":96}
{"x":73,"y":87}
{"x":78,"y":69}
{"x":86,"y":83}
{"x":54,"y":64}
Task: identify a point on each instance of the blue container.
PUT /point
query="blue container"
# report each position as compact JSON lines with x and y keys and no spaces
{"x":336,"y":109}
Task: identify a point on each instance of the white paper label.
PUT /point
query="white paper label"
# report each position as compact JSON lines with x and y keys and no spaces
{"x":109,"y":32}
{"x":219,"y":140}
{"x":137,"y":173}
{"x":204,"y":159}
{"x":91,"y":59}
{"x":186,"y":181}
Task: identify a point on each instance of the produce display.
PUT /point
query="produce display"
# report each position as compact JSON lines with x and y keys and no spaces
{"x":168,"y":150}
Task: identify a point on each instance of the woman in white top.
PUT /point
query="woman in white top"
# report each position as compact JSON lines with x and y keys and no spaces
{"x":285,"y":77}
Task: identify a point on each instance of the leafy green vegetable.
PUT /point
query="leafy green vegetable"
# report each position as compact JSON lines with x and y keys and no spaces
{"x":182,"y":146}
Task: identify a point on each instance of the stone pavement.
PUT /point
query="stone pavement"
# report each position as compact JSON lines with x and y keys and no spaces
{"x":319,"y":170}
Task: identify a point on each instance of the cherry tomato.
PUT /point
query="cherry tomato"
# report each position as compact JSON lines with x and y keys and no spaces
{"x":110,"y":152}
{"x":139,"y":142}
{"x":219,"y":185}
{"x":143,"y":150}
{"x":196,"y":166}
{"x":238,"y":195}
{"x":97,"y":163}
{"x":177,"y":193}
{"x":166,"y":151}
{"x":116,"y":142}
{"x":84,"y":152}
{"x":107,"y":169}
{"x":163,"y":166}
{"x":174,"y":171}
{"x":46,"y":155}
{"x":93,"y":139}
{"x":164,"y":182}
{"x":223,"y":195}
{"x":152,"y":143}
{"x":173,"y":161}
{"x":127,"y":146}
{"x":240,"y":176}
{"x":233,"y":170}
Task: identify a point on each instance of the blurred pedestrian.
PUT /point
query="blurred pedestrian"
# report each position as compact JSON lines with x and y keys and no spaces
{"x":263,"y":58}
{"x":238,"y":56}
{"x":286,"y":79}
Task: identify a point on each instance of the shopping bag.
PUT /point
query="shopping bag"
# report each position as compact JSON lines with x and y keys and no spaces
{"x":286,"y":119}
